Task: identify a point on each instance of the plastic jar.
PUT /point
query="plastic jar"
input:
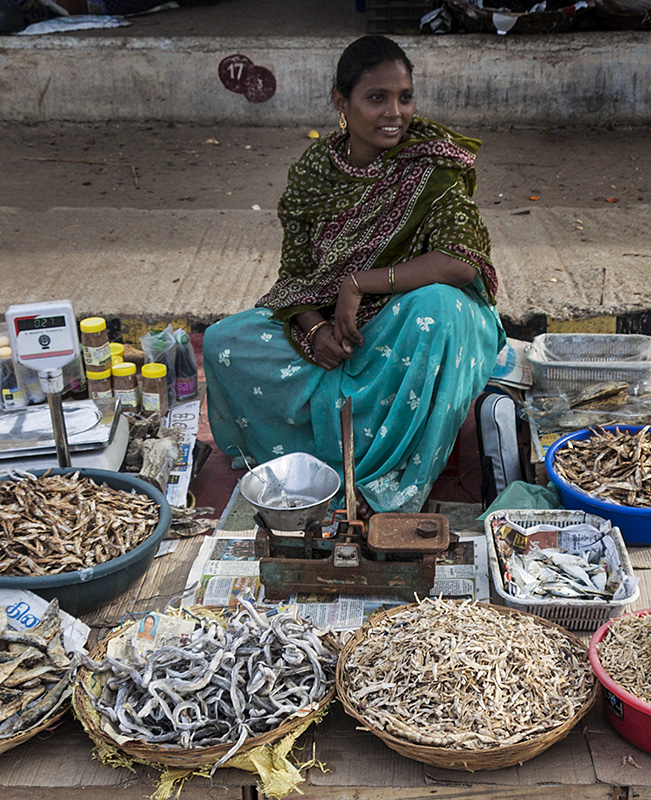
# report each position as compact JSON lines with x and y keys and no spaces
{"x":125,"y":385}
{"x":115,"y":360}
{"x":154,"y":389}
{"x":95,"y":344}
{"x":99,"y":384}
{"x":116,"y":349}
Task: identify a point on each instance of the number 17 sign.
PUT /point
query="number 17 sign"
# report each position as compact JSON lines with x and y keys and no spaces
{"x":240,"y":75}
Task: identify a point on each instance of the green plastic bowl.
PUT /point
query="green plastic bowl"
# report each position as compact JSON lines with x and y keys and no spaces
{"x":87,"y":589}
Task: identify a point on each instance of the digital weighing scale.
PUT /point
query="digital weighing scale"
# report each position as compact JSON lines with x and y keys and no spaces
{"x":44,"y":338}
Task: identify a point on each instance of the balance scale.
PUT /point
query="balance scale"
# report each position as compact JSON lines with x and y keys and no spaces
{"x":81,"y":433}
{"x":394,"y":555}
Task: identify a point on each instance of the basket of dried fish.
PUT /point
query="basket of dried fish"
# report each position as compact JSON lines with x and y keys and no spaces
{"x":465,"y":685}
{"x":606,"y":471}
{"x":83,"y":536}
{"x":620,"y":654}
{"x":571,"y":361}
{"x":35,"y":677}
{"x":226,"y":688}
{"x":569,"y":567}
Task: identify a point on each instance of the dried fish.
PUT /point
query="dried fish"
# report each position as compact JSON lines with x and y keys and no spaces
{"x":222,"y":685}
{"x":35,"y":672}
{"x":625,"y":654}
{"x":61,"y":523}
{"x":462,"y":675}
{"x":612,"y":465}
{"x":609,"y":394}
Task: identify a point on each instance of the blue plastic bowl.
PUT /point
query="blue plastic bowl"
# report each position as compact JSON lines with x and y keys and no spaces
{"x":633,"y":522}
{"x":87,"y":589}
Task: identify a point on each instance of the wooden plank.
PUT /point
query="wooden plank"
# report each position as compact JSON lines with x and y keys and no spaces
{"x":164,"y":580}
{"x":614,"y":758}
{"x":478,"y":791}
{"x":568,"y":763}
{"x":640,"y":557}
{"x":357,"y":758}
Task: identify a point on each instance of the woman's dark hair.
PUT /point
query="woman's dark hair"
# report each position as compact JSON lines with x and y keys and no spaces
{"x":364,"y":54}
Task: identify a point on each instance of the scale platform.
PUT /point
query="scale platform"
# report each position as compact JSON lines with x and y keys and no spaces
{"x":396,"y":557}
{"x":97,"y":435}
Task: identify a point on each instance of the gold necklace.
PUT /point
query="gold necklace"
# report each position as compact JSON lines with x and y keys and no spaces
{"x":348,"y":150}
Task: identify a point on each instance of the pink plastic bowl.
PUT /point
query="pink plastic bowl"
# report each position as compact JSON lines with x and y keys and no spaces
{"x":629,"y":716}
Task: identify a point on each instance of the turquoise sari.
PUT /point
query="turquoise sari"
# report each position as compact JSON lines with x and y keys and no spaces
{"x":427,"y":353}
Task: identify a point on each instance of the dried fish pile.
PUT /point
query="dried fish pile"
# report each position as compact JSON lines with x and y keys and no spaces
{"x":625,"y":654}
{"x":60,"y":523}
{"x":35,"y":672}
{"x":611,"y":465}
{"x":550,"y":572}
{"x":223,"y":685}
{"x":464,"y":676}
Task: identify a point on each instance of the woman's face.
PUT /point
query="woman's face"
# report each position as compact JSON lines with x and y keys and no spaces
{"x":379,"y":111}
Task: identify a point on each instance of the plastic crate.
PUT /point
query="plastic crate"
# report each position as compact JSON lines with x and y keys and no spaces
{"x":395,"y":16}
{"x":571,"y":613}
{"x":571,"y":361}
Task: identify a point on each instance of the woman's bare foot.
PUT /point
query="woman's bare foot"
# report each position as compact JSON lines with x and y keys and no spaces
{"x":364,"y":511}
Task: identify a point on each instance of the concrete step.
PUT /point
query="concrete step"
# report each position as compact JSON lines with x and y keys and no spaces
{"x":165,"y":67}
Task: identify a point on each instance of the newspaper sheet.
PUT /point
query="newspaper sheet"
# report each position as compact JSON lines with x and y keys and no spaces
{"x":512,"y":368}
{"x":25,"y":609}
{"x":226,"y":565}
{"x":184,"y":417}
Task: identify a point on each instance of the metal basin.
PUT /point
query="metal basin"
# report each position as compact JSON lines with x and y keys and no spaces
{"x":292,"y":492}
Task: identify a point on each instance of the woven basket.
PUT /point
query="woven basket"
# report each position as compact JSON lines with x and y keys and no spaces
{"x":457,"y":758}
{"x":171,"y":756}
{"x":43,"y":725}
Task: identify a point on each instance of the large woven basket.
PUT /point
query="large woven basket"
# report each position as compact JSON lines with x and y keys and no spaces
{"x":171,"y":756}
{"x":46,"y":723}
{"x":457,"y":758}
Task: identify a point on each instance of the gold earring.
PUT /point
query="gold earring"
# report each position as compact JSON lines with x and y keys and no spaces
{"x":343,"y":122}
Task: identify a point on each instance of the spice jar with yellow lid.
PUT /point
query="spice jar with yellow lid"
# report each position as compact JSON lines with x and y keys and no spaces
{"x":117,"y":349}
{"x":99,"y":384}
{"x":95,"y":344}
{"x":125,"y":385}
{"x":154,"y":389}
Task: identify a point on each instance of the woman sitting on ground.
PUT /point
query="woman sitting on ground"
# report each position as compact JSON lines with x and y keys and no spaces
{"x":385,"y":293}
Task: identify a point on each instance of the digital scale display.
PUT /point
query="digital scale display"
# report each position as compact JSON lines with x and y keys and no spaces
{"x":39,"y":323}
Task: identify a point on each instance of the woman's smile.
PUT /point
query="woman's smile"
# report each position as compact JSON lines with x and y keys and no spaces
{"x":378,"y":112}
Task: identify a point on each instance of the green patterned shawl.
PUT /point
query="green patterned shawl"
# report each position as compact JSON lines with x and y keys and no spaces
{"x":338,"y":219}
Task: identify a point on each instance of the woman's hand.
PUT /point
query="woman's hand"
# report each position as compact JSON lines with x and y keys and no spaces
{"x":346,"y":312}
{"x":328,"y":353}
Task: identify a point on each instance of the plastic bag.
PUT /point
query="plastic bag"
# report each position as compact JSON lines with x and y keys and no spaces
{"x":159,"y":347}
{"x":185,"y":386}
{"x":524,"y":495}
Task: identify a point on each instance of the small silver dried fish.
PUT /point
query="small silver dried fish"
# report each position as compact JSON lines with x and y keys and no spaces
{"x":61,"y":523}
{"x":462,"y":675}
{"x":222,"y":685}
{"x":625,"y":654}
{"x":612,"y":465}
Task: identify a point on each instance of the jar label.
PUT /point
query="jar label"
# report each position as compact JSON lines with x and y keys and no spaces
{"x":151,"y":401}
{"x":129,"y":397}
{"x":185,"y":388}
{"x":97,"y":356}
{"x":14,"y":397}
{"x":100,"y":394}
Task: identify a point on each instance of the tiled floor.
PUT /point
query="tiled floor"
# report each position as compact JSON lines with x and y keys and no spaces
{"x":215,"y":482}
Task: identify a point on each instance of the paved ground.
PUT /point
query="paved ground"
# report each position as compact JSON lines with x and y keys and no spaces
{"x":160,"y":220}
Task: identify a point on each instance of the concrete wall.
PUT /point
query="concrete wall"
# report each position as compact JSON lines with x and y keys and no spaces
{"x":582,"y":78}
